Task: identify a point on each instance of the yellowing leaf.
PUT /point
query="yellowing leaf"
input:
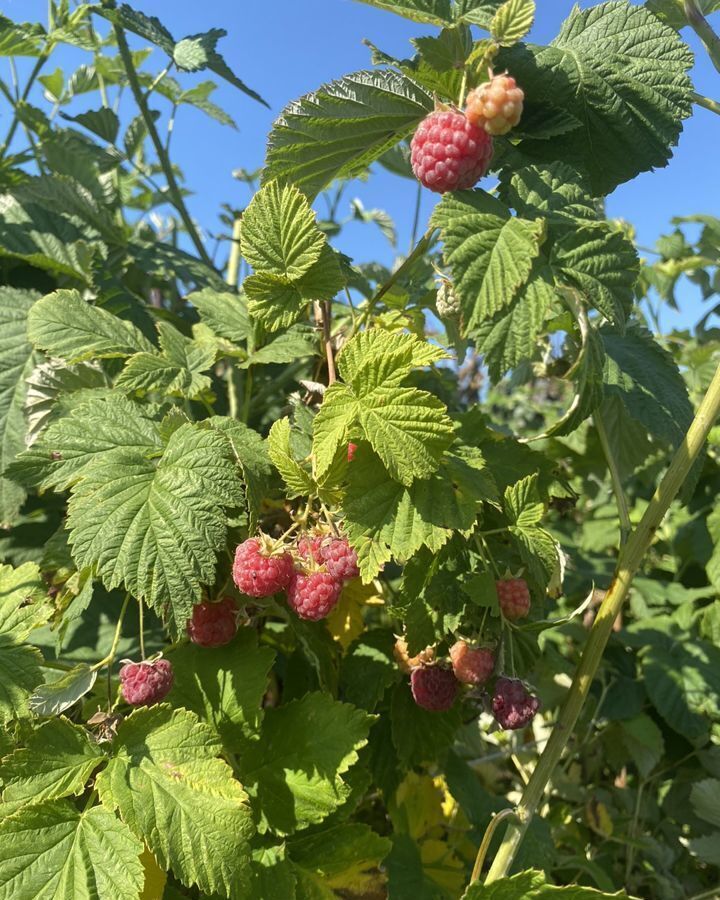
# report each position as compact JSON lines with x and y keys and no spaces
{"x":345,"y":622}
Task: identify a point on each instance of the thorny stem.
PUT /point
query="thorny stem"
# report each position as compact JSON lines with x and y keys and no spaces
{"x":704,"y":31}
{"x":620,"y":498}
{"x":630,"y":559}
{"x":173,"y":188}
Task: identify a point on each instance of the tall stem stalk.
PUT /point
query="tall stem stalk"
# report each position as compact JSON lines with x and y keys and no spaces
{"x":628,"y":565}
{"x":163,"y":158}
{"x":704,"y":31}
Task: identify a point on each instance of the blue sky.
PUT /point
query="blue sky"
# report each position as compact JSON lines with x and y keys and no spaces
{"x":289,"y":47}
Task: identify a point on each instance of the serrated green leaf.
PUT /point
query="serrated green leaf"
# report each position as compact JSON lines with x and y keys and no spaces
{"x":705,"y":800}
{"x":102,"y":122}
{"x":522,"y":503}
{"x":385,"y":520}
{"x":24,"y":603}
{"x":344,"y":858}
{"x":531,"y":885}
{"x":298,"y":481}
{"x":199,"y":97}
{"x":224,"y":312}
{"x":429,"y":12}
{"x":224,"y":686}
{"x":623,"y":75}
{"x":176,"y":372}
{"x":512,"y":21}
{"x":477,"y":12}
{"x":293,"y":773}
{"x":555,"y":191}
{"x":54,"y":697}
{"x":374,"y":358}
{"x":148,"y":27}
{"x":490,"y":253}
{"x":56,"y":762}
{"x":64,"y":325}
{"x":53,"y":850}
{"x":343,"y":127}
{"x":603,"y":264}
{"x":20,"y":38}
{"x":279,"y":234}
{"x":94,"y":430}
{"x":251,"y":453}
{"x":16,"y":362}
{"x":643,"y":741}
{"x":297,"y":342}
{"x":157,"y":528}
{"x":172,"y":791}
{"x":273,"y":875}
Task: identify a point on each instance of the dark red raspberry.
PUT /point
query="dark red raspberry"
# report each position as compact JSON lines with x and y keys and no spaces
{"x":335,"y":554}
{"x":213,"y":624}
{"x":496,"y":106}
{"x":147,"y":682}
{"x":434,"y":687}
{"x":471,"y":666}
{"x":313,"y":595}
{"x":351,"y":451}
{"x":512,"y":705}
{"x":514,"y":598}
{"x":449,"y":153}
{"x":258,"y":572}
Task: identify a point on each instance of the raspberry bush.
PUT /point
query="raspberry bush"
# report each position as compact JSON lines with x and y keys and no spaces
{"x":326,"y":578}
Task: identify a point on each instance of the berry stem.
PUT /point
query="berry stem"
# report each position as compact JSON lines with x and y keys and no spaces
{"x":233,"y":266}
{"x":116,"y":637}
{"x":706,"y":103}
{"x":620,"y":498}
{"x":327,"y":339}
{"x":629,"y":562}
{"x":141,"y":624}
{"x":463,"y":88}
{"x":487,"y":837}
{"x":704,"y":31}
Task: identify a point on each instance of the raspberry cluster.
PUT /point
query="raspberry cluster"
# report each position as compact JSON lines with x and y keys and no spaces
{"x":514,"y":597}
{"x":513,"y":705}
{"x":447,"y":301}
{"x":213,"y":624}
{"x":312,"y":586}
{"x":449,"y":153}
{"x":147,"y":682}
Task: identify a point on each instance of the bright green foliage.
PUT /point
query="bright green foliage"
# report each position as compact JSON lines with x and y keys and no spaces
{"x":53,"y":850}
{"x":172,"y":791}
{"x":512,"y":21}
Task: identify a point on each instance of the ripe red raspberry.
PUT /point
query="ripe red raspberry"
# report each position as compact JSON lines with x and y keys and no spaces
{"x":259,"y":573}
{"x":213,"y":624}
{"x":449,"y":153}
{"x":496,"y":105}
{"x":407,"y":663}
{"x":512,"y":705}
{"x":335,"y":554}
{"x":147,"y":682}
{"x":514,"y":598}
{"x":471,"y":666}
{"x":313,"y":595}
{"x":433,"y":687}
{"x":351,"y":451}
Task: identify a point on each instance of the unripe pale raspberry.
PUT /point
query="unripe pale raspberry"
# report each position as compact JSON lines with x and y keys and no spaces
{"x":351,"y":448}
{"x":313,"y":595}
{"x":471,"y":666}
{"x":512,"y":705}
{"x":434,"y":687}
{"x":147,"y":682}
{"x":406,"y":662}
{"x":258,"y":573}
{"x":213,"y":624}
{"x":447,"y":301}
{"x":495,"y":106}
{"x":335,"y":554}
{"x":449,"y":153}
{"x":514,"y":597}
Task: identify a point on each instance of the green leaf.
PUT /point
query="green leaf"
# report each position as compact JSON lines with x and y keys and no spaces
{"x":644,"y":742}
{"x":603,"y":264}
{"x":343,"y":127}
{"x":531,"y":885}
{"x":96,"y":430}
{"x":374,"y":358}
{"x":156,"y":528}
{"x":16,"y":362}
{"x":705,"y":800}
{"x":623,"y":75}
{"x":224,"y":686}
{"x":103,"y":122}
{"x":57,"y":761}
{"x":20,"y":38}
{"x":421,"y":736}
{"x":385,"y":520}
{"x":64,"y":325}
{"x":490,"y":254}
{"x":556,"y":191}
{"x":224,"y":312}
{"x":298,"y":481}
{"x":428,"y":12}
{"x":198,"y":52}
{"x":293,"y":773}
{"x":199,"y":97}
{"x":173,"y":792}
{"x":343,"y":858}
{"x":54,"y":697}
{"x":273,"y":875}
{"x":673,"y":13}
{"x":297,"y":342}
{"x":53,"y":850}
{"x":148,"y":27}
{"x":24,"y":602}
{"x":522,"y":503}
{"x":20,"y":673}
{"x":512,"y":21}
{"x":279,"y":234}
{"x":176,"y":372}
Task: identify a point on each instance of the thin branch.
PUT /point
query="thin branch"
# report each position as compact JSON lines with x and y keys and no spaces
{"x":327,"y":339}
{"x":706,"y":103}
{"x":704,"y":31}
{"x":620,"y":498}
